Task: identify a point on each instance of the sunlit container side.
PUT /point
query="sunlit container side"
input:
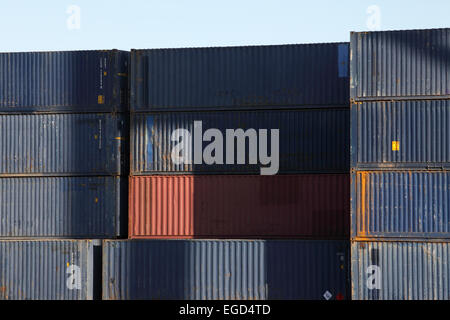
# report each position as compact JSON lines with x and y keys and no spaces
{"x":236,"y":206}
{"x":313,"y":140}
{"x":231,"y":270}
{"x":247,"y":77}
{"x":402,"y":134}
{"x":66,"y":81}
{"x":62,"y":144}
{"x":47,"y":270}
{"x":400,"y":270}
{"x":409,"y":64}
{"x":404,"y":204}
{"x":63,"y":207}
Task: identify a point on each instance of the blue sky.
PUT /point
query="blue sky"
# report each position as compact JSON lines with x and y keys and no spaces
{"x":27,"y":25}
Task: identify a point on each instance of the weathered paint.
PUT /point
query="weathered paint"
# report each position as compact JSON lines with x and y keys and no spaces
{"x":408,"y":64}
{"x":228,"y":269}
{"x":62,"y":144}
{"x":46,"y":270}
{"x":63,"y":207}
{"x":66,"y":81}
{"x":403,"y":204}
{"x":239,"y":77}
{"x":236,"y":206}
{"x":310,"y":140}
{"x":399,"y":270}
{"x":400,"y":134}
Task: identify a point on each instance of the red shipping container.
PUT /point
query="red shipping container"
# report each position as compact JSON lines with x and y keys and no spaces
{"x":234,"y":206}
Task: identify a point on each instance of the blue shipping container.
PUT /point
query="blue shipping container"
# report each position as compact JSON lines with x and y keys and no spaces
{"x":401,"y":134}
{"x":408,"y":64}
{"x":248,"y":77}
{"x":63,"y":207}
{"x":400,"y":270}
{"x":47,"y":270}
{"x":62,"y":144}
{"x":67,"y":81}
{"x":405,"y":204}
{"x":310,"y":140}
{"x":224,"y":269}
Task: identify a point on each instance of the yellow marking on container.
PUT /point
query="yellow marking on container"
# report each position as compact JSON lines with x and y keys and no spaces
{"x":119,"y":138}
{"x":68,"y":264}
{"x":95,"y":136}
{"x":96,"y":200}
{"x":395,"y":145}
{"x":105,"y":73}
{"x":101,"y":99}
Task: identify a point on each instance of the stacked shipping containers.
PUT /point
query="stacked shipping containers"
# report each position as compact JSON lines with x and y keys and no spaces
{"x":253,"y":227}
{"x":63,"y":129}
{"x":400,"y":156}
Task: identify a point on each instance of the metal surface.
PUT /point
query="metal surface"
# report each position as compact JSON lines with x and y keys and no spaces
{"x":400,"y":271}
{"x":239,"y":77}
{"x":309,"y":140}
{"x":46,"y":270}
{"x":412,"y":64}
{"x":235,"y":270}
{"x":402,"y":134}
{"x":64,"y":207}
{"x":62,"y":144}
{"x":221,"y":206}
{"x":408,"y":204}
{"x":67,"y":81}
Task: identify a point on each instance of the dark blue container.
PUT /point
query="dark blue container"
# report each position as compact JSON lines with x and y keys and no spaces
{"x":251,"y":77}
{"x":310,"y":140}
{"x":225,"y":269}
{"x":67,"y":81}
{"x":407,"y":64}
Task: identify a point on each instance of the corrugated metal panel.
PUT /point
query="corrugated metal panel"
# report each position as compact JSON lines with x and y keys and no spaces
{"x":46,"y":270}
{"x":309,"y":140}
{"x":400,"y":271}
{"x":401,"y":204}
{"x":239,"y":77}
{"x":295,"y":206}
{"x":77,"y":81}
{"x":406,"y":134}
{"x":61,"y":144}
{"x":401,"y":64}
{"x":232,"y":270}
{"x":67,"y":207}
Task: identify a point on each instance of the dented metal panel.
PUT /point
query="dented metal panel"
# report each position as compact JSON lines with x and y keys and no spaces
{"x":62,"y":144}
{"x":406,"y":64}
{"x":403,"y":204}
{"x":398,"y":270}
{"x":224,"y":269}
{"x":46,"y":270}
{"x":239,"y":206}
{"x":62,"y":207}
{"x":312,"y":140}
{"x":401,"y":134}
{"x":66,"y":81}
{"x":250,"y":77}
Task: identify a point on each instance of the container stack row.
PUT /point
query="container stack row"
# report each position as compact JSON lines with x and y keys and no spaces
{"x":239,"y":184}
{"x":400,"y":161}
{"x":63,"y":176}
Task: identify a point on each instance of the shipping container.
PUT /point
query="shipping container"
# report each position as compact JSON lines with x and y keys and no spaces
{"x":404,"y":204}
{"x":408,"y":64}
{"x":400,"y":270}
{"x":63,"y":207}
{"x":401,"y":134}
{"x":62,"y":144}
{"x":224,"y":270}
{"x":249,"y":77}
{"x":48,"y":270}
{"x":236,"y":206}
{"x":313,"y":140}
{"x":67,"y":81}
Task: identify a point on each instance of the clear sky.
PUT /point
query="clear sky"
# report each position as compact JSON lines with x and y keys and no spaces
{"x":32,"y":25}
